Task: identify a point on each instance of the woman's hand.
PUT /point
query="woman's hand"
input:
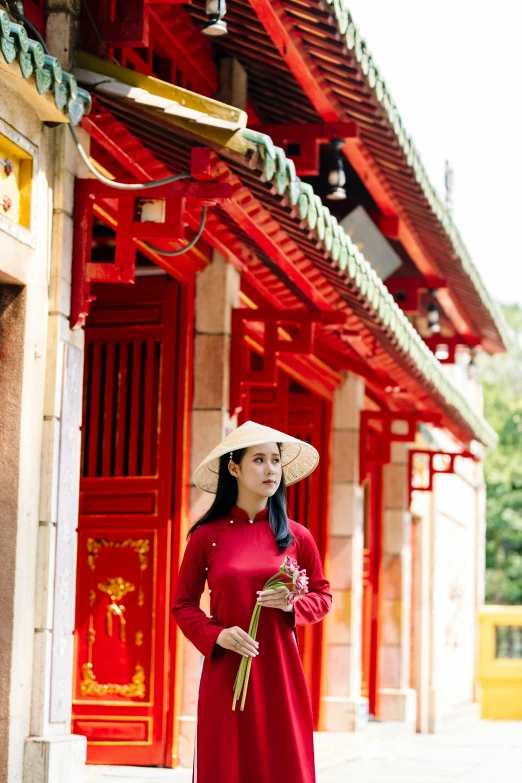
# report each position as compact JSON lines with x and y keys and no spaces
{"x":275,"y":598}
{"x":246,"y":646}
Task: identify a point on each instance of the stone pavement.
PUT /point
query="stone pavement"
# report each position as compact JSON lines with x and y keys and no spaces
{"x":485,"y":752}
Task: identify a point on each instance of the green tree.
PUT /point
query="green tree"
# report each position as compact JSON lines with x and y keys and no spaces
{"x":502,"y":379}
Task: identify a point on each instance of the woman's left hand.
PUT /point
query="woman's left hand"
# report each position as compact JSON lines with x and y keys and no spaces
{"x":275,"y":598}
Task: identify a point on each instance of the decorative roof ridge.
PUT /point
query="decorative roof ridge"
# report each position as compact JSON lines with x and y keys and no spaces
{"x":348,"y":258}
{"x":61,"y":98}
{"x":357,"y":45}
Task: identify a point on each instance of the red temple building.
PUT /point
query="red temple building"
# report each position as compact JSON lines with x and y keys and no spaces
{"x":301,"y":272}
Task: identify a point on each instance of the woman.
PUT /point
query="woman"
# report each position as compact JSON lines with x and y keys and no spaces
{"x":237,"y":546}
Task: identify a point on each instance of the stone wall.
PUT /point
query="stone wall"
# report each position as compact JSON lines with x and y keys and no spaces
{"x":448,"y":590}
{"x":40,"y":376}
{"x":51,"y":746}
{"x":23,"y":326}
{"x":457,"y":518}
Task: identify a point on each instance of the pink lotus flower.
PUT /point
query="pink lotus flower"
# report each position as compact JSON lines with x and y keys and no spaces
{"x":298,"y":587}
{"x":292,"y":598}
{"x":302,"y":581}
{"x":290,"y":566}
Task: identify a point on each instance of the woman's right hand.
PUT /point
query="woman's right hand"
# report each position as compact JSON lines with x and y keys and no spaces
{"x":247,"y":647}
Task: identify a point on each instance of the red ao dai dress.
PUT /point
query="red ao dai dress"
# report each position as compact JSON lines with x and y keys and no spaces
{"x":272,"y":739}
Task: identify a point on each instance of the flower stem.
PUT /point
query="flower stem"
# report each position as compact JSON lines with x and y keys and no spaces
{"x":244,"y":667}
{"x":247,"y":677}
{"x":243,"y":675}
{"x":249,"y":661}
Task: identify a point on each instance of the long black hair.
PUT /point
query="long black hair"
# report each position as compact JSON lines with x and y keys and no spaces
{"x":226,"y":497}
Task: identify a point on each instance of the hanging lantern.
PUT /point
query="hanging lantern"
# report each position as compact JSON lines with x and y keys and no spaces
{"x":433,"y":314}
{"x":472,"y":365}
{"x":215,"y":11}
{"x":336,"y":175}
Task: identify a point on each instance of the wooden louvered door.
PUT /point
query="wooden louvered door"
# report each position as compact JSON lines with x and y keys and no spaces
{"x":125,"y":527}
{"x":291,"y":408}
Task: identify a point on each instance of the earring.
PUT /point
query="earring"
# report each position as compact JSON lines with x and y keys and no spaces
{"x":231,"y":456}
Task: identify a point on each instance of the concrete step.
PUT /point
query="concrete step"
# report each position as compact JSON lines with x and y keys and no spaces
{"x":103,"y":774}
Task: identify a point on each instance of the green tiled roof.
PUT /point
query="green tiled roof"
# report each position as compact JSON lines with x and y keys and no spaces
{"x":356,"y":44}
{"x":347,"y":257}
{"x":62,"y":100}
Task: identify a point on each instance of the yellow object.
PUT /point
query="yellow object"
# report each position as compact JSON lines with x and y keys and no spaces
{"x":204,"y":119}
{"x":500,"y":664}
{"x":16,"y":173}
{"x":200,"y":104}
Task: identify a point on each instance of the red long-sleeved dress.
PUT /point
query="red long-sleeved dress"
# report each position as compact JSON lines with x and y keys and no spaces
{"x":272,"y":739}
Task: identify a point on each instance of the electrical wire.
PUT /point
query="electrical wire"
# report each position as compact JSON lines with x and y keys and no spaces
{"x":110,"y":182}
{"x":139,"y":186}
{"x":123,"y":185}
{"x":127,"y":186}
{"x":98,"y":34}
{"x":31,"y":27}
{"x":189,"y":245}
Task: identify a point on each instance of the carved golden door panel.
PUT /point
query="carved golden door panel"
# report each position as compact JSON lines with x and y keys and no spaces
{"x":124,"y":545}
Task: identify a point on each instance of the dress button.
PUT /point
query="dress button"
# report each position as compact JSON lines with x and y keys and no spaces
{"x":211,"y":615}
{"x":209,"y":590}
{"x":251,"y":521}
{"x":206,"y":569}
{"x":231,"y":521}
{"x":213,"y":543}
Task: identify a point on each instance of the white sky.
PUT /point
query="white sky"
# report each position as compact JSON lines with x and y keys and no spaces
{"x":454,"y":69}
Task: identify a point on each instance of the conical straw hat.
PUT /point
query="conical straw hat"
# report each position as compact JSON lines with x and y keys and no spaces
{"x":298,"y":458}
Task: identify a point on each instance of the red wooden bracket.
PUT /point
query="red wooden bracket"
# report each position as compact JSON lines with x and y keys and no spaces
{"x":302,"y":142}
{"x":407,"y":290}
{"x":432,"y":468}
{"x":130,"y":230}
{"x":390,"y":427}
{"x":450,"y":344}
{"x":299,"y":325}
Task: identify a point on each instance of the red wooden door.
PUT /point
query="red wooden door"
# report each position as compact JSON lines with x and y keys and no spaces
{"x":125,"y":528}
{"x":291,"y":408}
{"x":371,"y":587}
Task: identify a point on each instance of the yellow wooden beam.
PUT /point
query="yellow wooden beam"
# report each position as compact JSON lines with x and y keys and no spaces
{"x":186,"y":98}
{"x":202,"y":129}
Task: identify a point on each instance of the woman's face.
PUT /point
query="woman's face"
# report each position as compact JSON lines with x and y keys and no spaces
{"x":260,"y":470}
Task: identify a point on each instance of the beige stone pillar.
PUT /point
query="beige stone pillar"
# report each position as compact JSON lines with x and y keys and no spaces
{"x":397,"y":699}
{"x":61,"y":30}
{"x":422,"y":609}
{"x":28,"y":540}
{"x":233,"y":83}
{"x":217,"y":293}
{"x":52,"y":753}
{"x":343,"y":708}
